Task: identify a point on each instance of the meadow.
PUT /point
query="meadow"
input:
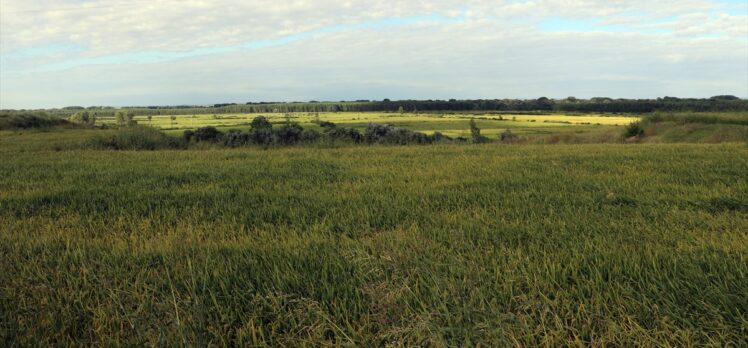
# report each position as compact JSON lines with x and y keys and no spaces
{"x":453,"y":125}
{"x":440,"y":245}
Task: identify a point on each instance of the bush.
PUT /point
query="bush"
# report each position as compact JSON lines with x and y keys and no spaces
{"x":137,"y":138}
{"x":84,"y":117}
{"x":439,"y":137}
{"x":207,"y":134}
{"x":377,"y":133}
{"x":634,"y":129}
{"x":261,"y":136}
{"x":388,"y":134}
{"x":327,"y":124}
{"x":288,"y":134}
{"x":187,"y":135}
{"x":343,"y":134}
{"x":260,"y":122}
{"x":309,"y":136}
{"x":507,"y":136}
{"x":235,"y":138}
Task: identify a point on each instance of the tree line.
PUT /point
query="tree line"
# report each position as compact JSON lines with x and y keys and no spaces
{"x":723,"y":103}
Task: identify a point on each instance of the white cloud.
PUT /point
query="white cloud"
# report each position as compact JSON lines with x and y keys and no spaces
{"x":486,"y":49}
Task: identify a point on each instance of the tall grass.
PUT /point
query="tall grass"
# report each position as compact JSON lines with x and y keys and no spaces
{"x":442,"y":245}
{"x":136,"y":138}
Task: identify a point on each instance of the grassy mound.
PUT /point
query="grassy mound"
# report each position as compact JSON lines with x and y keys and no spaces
{"x":30,"y":120}
{"x":136,"y":138}
{"x":696,"y":127}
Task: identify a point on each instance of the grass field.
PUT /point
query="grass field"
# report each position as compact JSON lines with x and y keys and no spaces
{"x":443,"y":245}
{"x":451,"y":125}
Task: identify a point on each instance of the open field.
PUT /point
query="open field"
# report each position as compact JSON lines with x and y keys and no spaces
{"x":492,"y":244}
{"x":451,"y":124}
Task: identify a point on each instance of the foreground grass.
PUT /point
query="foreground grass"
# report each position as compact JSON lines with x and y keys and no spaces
{"x":443,"y":245}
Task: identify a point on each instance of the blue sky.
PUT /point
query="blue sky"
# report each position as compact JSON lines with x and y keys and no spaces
{"x":199,"y":52}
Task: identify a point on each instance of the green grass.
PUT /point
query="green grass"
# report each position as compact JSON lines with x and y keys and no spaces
{"x":498,"y":245}
{"x":733,"y":118}
{"x":26,"y":120}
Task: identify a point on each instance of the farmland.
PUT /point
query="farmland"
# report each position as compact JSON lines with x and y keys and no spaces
{"x":509,"y":245}
{"x":451,"y":124}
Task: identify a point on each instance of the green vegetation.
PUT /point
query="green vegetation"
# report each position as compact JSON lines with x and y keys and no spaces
{"x":136,"y":138}
{"x":634,"y":130}
{"x":702,"y":118}
{"x":454,"y":125}
{"x":724,"y":103}
{"x":28,"y":120}
{"x":695,"y":127}
{"x":442,"y":245}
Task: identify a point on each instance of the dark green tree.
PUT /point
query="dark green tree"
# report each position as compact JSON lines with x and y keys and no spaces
{"x":475,"y":133}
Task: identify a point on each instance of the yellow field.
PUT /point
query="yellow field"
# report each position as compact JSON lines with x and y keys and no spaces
{"x":452,"y":125}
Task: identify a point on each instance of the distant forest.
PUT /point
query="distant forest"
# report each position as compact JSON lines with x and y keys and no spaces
{"x":724,"y":103}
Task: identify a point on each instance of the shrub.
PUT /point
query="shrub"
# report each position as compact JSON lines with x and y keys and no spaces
{"x":327,"y":124}
{"x":207,"y":134}
{"x":83,"y":117}
{"x":309,"y":136}
{"x":634,"y":129}
{"x":187,"y":135}
{"x":136,"y":138}
{"x":343,"y":134}
{"x":388,"y":134}
{"x":439,"y":137}
{"x":260,"y":122}
{"x":260,"y":136}
{"x":288,"y":134}
{"x":377,"y":133}
{"x":507,"y":136}
{"x":235,"y":138}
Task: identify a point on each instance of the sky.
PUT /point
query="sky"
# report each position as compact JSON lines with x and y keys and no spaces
{"x":56,"y":53}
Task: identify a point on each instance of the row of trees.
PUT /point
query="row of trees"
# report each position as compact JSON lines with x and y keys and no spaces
{"x":571,"y":104}
{"x":123,"y":118}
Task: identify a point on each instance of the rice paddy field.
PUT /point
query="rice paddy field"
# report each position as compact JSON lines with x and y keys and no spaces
{"x":438,"y":245}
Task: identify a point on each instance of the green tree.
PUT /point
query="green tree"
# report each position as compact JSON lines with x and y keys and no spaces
{"x":130,"y":119}
{"x":260,"y":122}
{"x":83,"y":117}
{"x":121,"y":118}
{"x":475,"y":133}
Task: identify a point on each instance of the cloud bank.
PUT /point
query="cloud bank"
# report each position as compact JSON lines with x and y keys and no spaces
{"x":57,"y":53}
